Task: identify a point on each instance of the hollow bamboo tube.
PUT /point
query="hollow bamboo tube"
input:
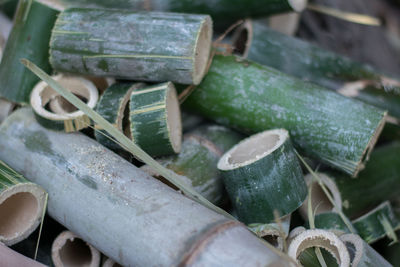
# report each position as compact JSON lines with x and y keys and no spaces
{"x":21,"y":206}
{"x":10,"y":258}
{"x":129,"y":216}
{"x":68,"y":249}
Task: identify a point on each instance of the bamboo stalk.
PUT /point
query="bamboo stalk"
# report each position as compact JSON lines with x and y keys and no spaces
{"x":378,"y":223}
{"x":68,"y":249}
{"x":21,"y":206}
{"x":110,"y":263}
{"x":114,"y":106}
{"x":31,"y":32}
{"x":6,"y":107}
{"x":362,"y":253}
{"x":357,"y":196}
{"x":163,"y":46}
{"x":128,"y":203}
{"x":155,"y":109}
{"x":61,"y":115}
{"x":10,"y":258}
{"x":331,"y":221}
{"x":322,"y":239}
{"x":261,"y":98}
{"x":261,"y":174}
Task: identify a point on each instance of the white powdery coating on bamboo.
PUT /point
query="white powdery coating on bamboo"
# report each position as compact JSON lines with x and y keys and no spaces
{"x":255,"y":147}
{"x":323,"y":239}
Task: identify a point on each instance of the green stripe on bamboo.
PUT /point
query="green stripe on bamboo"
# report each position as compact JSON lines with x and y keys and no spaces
{"x":155,"y":119}
{"x":29,"y":38}
{"x":339,"y":131}
{"x":54,"y":112}
{"x":114,"y":107}
{"x":378,"y":223}
{"x":22,"y":205}
{"x":145,"y":46}
{"x":262,"y":175}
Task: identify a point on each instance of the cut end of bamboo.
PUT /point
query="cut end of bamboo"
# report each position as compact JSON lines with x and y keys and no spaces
{"x":48,"y":104}
{"x":111,"y":263}
{"x":21,"y":209}
{"x":319,"y":201}
{"x":242,"y":38}
{"x":298,"y":5}
{"x":355,"y":244}
{"x":174,"y":121}
{"x":69,"y":250}
{"x":252,"y":149}
{"x":322,"y":239}
{"x":202,"y":50}
{"x":370,"y":146}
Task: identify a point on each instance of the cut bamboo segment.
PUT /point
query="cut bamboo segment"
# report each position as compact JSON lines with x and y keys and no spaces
{"x":29,"y":38}
{"x":197,"y":162}
{"x":262,"y":174}
{"x":378,"y":223}
{"x":68,"y":249}
{"x":361,"y":253}
{"x":10,"y":258}
{"x":22,"y":205}
{"x":286,"y":23}
{"x":274,"y":99}
{"x":322,"y":239}
{"x":6,"y":107}
{"x":117,"y":202}
{"x":110,"y":263}
{"x":296,"y":57}
{"x":162,"y":46}
{"x":331,"y":221}
{"x":114,"y":107}
{"x":384,"y":166}
{"x":155,"y":119}
{"x":75,"y":120}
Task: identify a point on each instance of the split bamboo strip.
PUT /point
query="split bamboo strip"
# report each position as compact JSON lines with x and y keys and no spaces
{"x":337,"y":130}
{"x":331,"y":221}
{"x":116,"y":201}
{"x":22,"y":204}
{"x":161,"y":47}
{"x":29,"y":38}
{"x":68,"y":249}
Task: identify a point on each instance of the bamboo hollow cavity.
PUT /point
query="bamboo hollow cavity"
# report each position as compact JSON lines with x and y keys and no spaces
{"x":68,"y":249}
{"x":378,"y":223}
{"x":357,"y":196}
{"x":29,"y":38}
{"x":197,"y":162}
{"x":114,"y":107}
{"x":361,"y":253}
{"x":61,"y":115}
{"x":322,"y":239}
{"x":262,"y":175}
{"x":255,"y":41}
{"x":146,"y":46}
{"x":128,"y":203}
{"x":22,"y":205}
{"x":223,"y":12}
{"x":10,"y":258}
{"x":337,"y":130}
{"x":155,"y":119}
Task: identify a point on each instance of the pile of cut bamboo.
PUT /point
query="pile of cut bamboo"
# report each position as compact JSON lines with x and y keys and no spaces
{"x":271,"y":162}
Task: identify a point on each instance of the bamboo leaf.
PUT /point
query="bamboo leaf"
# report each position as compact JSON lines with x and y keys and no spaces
{"x":122,"y":139}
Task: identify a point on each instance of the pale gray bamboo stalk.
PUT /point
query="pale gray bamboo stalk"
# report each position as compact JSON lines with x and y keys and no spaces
{"x":129,"y":216}
{"x":10,"y":258}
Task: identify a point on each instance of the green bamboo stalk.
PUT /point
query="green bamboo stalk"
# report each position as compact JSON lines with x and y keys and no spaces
{"x":146,"y":46}
{"x":123,"y":140}
{"x":224,"y":12}
{"x":255,"y":41}
{"x":260,"y":98}
{"x":261,"y":175}
{"x":68,"y":119}
{"x":113,"y":106}
{"x":29,"y":38}
{"x":331,"y":221}
{"x":378,"y":223}
{"x":21,"y":206}
{"x":155,"y":119}
{"x":363,"y":255}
